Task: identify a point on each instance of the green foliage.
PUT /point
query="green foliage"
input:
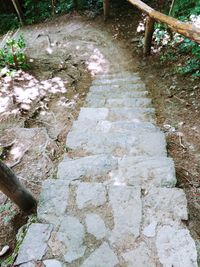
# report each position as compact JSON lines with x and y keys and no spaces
{"x":184,"y":8}
{"x":12,"y":55}
{"x":8,"y":22}
{"x":7,"y":212}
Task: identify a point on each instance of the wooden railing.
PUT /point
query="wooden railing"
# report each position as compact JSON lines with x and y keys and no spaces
{"x":188,"y":30}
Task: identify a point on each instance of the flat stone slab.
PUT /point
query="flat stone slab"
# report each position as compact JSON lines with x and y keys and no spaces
{"x":34,"y":245}
{"x":67,"y":242}
{"x":123,"y":87}
{"x":175,"y":247}
{"x":53,"y":200}
{"x":115,"y":94}
{"x":108,"y":126}
{"x":90,"y":194}
{"x":118,"y":103}
{"x":118,"y":144}
{"x":127,"y":211}
{"x":95,"y":225}
{"x":52,"y":263}
{"x":122,"y":74}
{"x":165,"y":206}
{"x":140,"y":256}
{"x":118,"y":80}
{"x":104,"y":256}
{"x":86,"y":167}
{"x":145,"y":172}
{"x":117,"y":114}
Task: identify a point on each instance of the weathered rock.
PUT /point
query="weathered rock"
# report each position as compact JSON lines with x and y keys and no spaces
{"x":68,"y":241}
{"x":164,"y":205}
{"x":150,"y":230}
{"x":118,"y":103}
{"x":117,"y":114}
{"x":176,"y":247}
{"x":91,"y":166}
{"x":125,"y":80}
{"x":127,"y":211}
{"x":115,"y":94}
{"x":52,"y":263}
{"x":130,"y":87}
{"x":101,"y":257}
{"x":90,"y":194}
{"x":140,"y":256}
{"x":53,"y":201}
{"x":34,"y":245}
{"x":108,"y":126}
{"x":95,"y":225}
{"x":145,"y":172}
{"x":118,"y":144}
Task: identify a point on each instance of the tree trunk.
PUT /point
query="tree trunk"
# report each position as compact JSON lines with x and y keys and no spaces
{"x":106,"y":8}
{"x":18,"y":10}
{"x":12,"y":188}
{"x":148,"y":35}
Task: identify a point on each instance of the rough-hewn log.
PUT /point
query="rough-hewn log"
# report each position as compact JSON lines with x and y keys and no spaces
{"x":106,"y":8}
{"x":18,"y":10}
{"x":148,"y":35}
{"x":12,"y":188}
{"x":189,"y":30}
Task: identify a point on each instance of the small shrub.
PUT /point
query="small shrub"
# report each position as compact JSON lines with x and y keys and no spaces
{"x":12,"y":55}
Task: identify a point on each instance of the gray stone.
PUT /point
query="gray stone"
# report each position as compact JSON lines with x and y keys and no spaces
{"x":90,"y":194}
{"x":108,"y":126}
{"x":123,"y":74}
{"x":125,"y":80}
{"x":91,"y":166}
{"x":164,"y":205}
{"x":101,"y":257}
{"x":140,"y":256}
{"x":118,"y":103}
{"x":176,"y":247}
{"x":115,"y":94}
{"x":126,"y":87}
{"x":53,"y":200}
{"x":68,"y":241}
{"x":127,"y":211}
{"x":95,"y":225}
{"x":28,"y":264}
{"x":145,"y":171}
{"x":34,"y":245}
{"x":52,"y":263}
{"x":150,"y":230}
{"x":118,"y":144}
{"x":117,"y":114}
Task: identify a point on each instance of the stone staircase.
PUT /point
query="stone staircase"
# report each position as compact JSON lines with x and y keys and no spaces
{"x":114,"y":202}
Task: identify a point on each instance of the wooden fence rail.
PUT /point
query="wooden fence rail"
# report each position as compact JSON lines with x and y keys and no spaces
{"x":189,"y":30}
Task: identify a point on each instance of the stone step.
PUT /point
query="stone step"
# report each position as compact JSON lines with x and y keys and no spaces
{"x":145,"y":172}
{"x":118,"y":103}
{"x":126,"y":80}
{"x":94,"y":168}
{"x":117,"y":114}
{"x":53,"y":201}
{"x":118,"y":126}
{"x":123,"y":74}
{"x":116,"y":94}
{"x":133,"y":143}
{"x":118,"y":87}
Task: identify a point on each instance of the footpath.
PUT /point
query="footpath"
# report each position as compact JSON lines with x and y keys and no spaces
{"x":114,"y":202}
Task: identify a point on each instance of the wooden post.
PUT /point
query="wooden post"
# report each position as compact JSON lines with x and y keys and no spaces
{"x":106,"y":8}
{"x":18,"y":10}
{"x":148,"y":35}
{"x":12,"y":188}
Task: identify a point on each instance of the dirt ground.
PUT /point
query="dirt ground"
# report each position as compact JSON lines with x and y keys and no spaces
{"x":39,"y":106}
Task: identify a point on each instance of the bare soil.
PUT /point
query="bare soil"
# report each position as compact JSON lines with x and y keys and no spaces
{"x":41,"y":104}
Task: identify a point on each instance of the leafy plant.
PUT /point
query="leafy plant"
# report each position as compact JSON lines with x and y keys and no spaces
{"x":12,"y":55}
{"x":8,"y":22}
{"x":7,"y":212}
